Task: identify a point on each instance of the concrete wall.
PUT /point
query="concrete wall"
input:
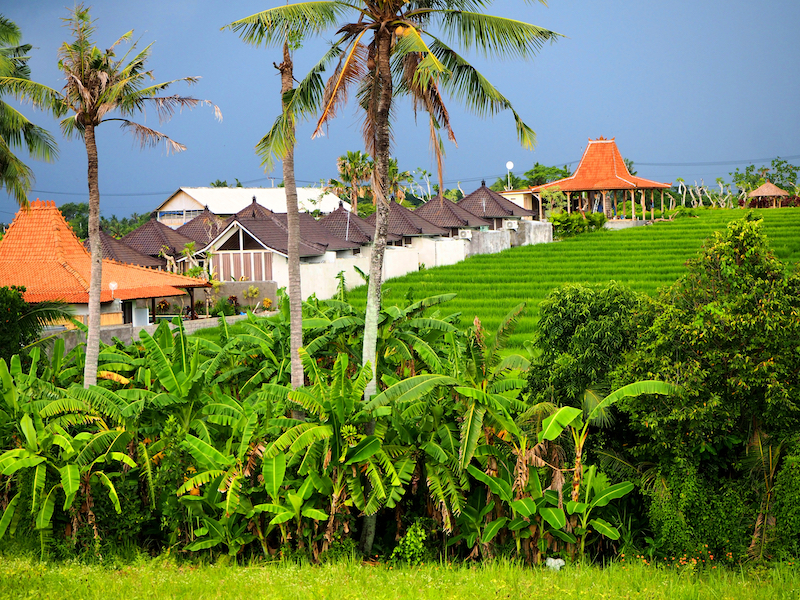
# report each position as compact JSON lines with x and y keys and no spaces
{"x":128,"y":333}
{"x":439,"y":252}
{"x":488,"y":242}
{"x":320,"y":278}
{"x":532,"y":232}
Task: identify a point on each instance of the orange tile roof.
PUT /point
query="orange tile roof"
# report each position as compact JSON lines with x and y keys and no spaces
{"x":601,"y":168}
{"x":41,"y":252}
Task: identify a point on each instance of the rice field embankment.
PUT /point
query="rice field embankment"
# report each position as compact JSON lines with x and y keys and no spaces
{"x":643,"y":258}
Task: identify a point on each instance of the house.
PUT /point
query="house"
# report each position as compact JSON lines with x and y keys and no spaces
{"x":350,"y":227}
{"x":187,"y":203}
{"x":159,"y":241}
{"x":41,"y":252}
{"x":602,"y":181}
{"x":254,"y":246}
{"x":407,"y":225}
{"x":203,"y":228}
{"x":448,"y":215}
{"x":117,"y":250}
{"x":491,"y":206}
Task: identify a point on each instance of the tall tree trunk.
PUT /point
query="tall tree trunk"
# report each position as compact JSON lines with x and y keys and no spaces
{"x":96,"y":279}
{"x":380,"y":181}
{"x":293,"y":222}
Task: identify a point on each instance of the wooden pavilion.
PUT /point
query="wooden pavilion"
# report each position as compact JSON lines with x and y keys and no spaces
{"x":602,"y":181}
{"x":769,"y":192}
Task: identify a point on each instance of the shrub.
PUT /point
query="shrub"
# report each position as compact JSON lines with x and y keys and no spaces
{"x":411,"y":547}
{"x":566,"y":225}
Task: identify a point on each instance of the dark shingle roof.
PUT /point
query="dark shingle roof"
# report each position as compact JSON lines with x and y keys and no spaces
{"x":347,"y":226}
{"x":405,"y":223}
{"x":272,"y":230}
{"x":203,"y":228}
{"x":444,"y":213}
{"x":488,"y":204}
{"x":115,"y":249}
{"x":154,"y":237}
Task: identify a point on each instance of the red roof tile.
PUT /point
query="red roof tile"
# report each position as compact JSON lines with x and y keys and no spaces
{"x":203,"y":228}
{"x":40,"y":252}
{"x":601,"y":168}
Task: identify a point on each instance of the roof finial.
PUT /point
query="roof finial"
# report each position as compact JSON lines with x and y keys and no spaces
{"x":254,"y":199}
{"x":483,"y":183}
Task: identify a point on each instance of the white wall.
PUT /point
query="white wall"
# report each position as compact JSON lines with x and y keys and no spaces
{"x":438,"y":252}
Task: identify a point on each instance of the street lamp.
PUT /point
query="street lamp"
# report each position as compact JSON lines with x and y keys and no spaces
{"x":509,"y":166}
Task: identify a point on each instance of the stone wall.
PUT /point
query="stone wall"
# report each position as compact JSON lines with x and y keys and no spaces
{"x":489,"y":242}
{"x":532,"y":232}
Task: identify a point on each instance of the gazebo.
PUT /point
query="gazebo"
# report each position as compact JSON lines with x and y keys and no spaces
{"x":599,"y":178}
{"x":768,"y":191}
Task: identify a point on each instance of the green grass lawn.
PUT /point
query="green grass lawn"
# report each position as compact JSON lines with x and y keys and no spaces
{"x":644,"y":258}
{"x":159,"y":579}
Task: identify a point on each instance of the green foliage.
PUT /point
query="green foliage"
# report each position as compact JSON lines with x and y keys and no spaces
{"x":781,"y":173}
{"x":566,"y":225}
{"x":411,"y":547}
{"x":583,"y":333}
{"x":727,"y":333}
{"x":787,"y":509}
{"x":12,"y":307}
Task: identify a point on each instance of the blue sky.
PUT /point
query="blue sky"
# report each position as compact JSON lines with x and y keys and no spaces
{"x":688,"y":89}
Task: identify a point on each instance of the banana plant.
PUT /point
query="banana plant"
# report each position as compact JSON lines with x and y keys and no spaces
{"x":332,"y":445}
{"x":597,"y":493}
{"x":595,"y":411}
{"x":474,"y":531}
{"x":489,"y":385}
{"x":532,"y":513}
{"x":288,"y":503}
{"x":73,"y":461}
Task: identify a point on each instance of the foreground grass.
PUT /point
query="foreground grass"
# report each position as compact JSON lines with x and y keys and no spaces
{"x":161,"y":579}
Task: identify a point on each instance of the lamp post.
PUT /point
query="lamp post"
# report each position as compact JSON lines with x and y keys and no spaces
{"x":509,"y":166}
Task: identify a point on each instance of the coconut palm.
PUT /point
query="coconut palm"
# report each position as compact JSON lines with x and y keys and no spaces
{"x":384,"y":49}
{"x":355,"y":168}
{"x":15,"y":130}
{"x":100,"y":85}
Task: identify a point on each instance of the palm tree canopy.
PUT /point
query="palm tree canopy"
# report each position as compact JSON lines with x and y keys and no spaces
{"x":423,"y":63}
{"x":16,"y":131}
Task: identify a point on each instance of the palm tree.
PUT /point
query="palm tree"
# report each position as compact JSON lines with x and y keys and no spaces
{"x":98,"y":85}
{"x":389,"y":48}
{"x":354,"y":168}
{"x":15,"y":130}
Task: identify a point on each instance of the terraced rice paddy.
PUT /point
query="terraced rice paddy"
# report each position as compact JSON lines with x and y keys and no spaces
{"x":644,"y":258}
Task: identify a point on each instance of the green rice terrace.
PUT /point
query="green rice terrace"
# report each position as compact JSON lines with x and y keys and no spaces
{"x":643,"y":258}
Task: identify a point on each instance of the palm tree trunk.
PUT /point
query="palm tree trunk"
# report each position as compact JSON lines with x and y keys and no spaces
{"x":380,"y":180}
{"x":96,"y":280}
{"x":293,"y":222}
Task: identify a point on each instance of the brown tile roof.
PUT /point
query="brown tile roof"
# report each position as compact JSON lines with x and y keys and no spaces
{"x":273,"y":232}
{"x":404,"y":222}
{"x":488,"y":204}
{"x":768,"y":190}
{"x":154,"y":237}
{"x":312,"y":230}
{"x":41,"y":252}
{"x":344,"y":224}
{"x":602,"y":168}
{"x":203,"y":228}
{"x":444,"y":213}
{"x":114,"y":249}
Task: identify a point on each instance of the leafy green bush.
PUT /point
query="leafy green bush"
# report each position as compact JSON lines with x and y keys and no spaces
{"x":787,"y":508}
{"x":411,"y":547}
{"x":566,"y":225}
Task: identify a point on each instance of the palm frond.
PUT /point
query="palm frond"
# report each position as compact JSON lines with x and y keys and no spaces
{"x":292,"y":22}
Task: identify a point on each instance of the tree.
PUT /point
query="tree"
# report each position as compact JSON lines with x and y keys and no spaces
{"x":21,"y":322}
{"x":98,"y":85}
{"x":355,"y":168}
{"x":15,"y":130}
{"x":781,"y":173}
{"x":540,"y":174}
{"x":383,"y":52}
